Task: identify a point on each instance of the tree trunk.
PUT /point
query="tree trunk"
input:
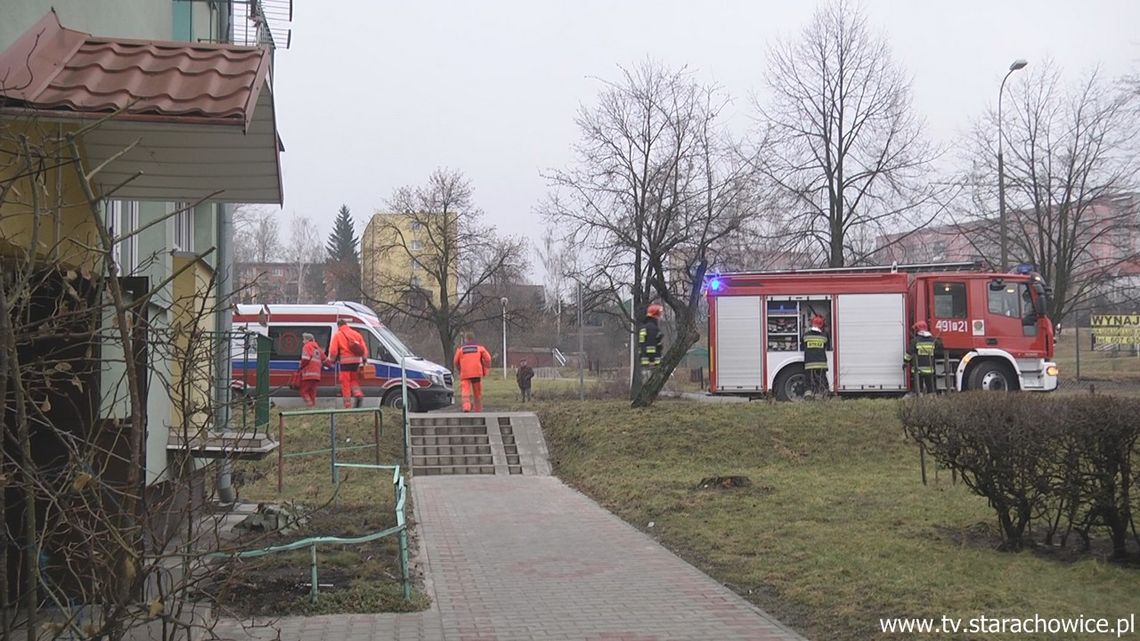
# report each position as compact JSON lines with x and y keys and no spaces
{"x":446,"y":342}
{"x":835,"y":257}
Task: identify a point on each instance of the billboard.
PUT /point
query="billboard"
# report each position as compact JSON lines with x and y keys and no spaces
{"x":1116,"y":329}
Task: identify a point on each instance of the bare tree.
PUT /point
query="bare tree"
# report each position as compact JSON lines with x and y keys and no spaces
{"x":304,"y":251}
{"x":255,"y":234}
{"x":847,"y":152}
{"x":432,"y":260}
{"x":657,"y":190}
{"x":553,"y":255}
{"x":1070,"y":171}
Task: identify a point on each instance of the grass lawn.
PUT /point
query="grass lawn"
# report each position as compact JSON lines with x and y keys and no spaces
{"x":361,"y":578}
{"x":1095,"y":365}
{"x":836,"y":529}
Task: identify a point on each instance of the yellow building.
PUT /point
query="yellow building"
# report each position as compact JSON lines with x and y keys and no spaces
{"x":403,"y":256}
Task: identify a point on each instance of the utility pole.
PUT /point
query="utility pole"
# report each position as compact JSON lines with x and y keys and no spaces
{"x":1017,"y":64}
{"x":504,"y":301}
{"x":581,"y":376}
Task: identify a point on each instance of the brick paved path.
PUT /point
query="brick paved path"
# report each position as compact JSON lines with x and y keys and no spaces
{"x":526,"y":558}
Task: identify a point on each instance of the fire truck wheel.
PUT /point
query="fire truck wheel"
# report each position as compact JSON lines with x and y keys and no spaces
{"x":394,"y":398}
{"x":790,"y":383}
{"x":991,"y":376}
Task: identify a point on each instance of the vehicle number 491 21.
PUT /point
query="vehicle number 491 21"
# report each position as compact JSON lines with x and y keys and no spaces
{"x":951,"y":326}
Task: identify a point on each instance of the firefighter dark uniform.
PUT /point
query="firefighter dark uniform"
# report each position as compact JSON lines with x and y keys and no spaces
{"x":923,"y":351}
{"x":649,"y":338}
{"x":815,"y":357}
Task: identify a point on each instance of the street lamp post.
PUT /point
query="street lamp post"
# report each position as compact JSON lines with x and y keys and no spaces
{"x":1017,"y":64}
{"x":504,"y":302}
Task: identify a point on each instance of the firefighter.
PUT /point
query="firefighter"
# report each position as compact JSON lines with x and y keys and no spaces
{"x":649,"y":339}
{"x":921,"y":355}
{"x":472,"y":362}
{"x":348,"y":347}
{"x":815,"y":357}
{"x":312,"y":357}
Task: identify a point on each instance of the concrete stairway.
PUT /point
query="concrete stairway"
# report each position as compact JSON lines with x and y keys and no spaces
{"x":500,"y":443}
{"x":449,"y":444}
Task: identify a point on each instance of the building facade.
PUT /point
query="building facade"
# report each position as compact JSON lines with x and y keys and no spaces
{"x":402,"y":253}
{"x":173,"y":127}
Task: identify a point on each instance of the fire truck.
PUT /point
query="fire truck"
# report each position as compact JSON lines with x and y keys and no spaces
{"x":993,"y":327}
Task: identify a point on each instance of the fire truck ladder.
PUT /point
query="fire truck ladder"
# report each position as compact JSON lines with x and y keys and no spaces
{"x":868,"y":269}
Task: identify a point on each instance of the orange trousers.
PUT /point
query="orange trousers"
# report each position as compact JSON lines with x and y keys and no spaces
{"x":309,"y":391}
{"x":350,"y":386}
{"x":466,"y":387}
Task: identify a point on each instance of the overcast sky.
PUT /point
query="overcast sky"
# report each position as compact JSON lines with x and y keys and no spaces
{"x":376,"y":94}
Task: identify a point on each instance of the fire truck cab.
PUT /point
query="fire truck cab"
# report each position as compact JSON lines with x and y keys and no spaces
{"x":993,"y":328}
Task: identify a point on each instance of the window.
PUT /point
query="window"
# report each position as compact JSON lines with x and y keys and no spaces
{"x":415,"y":281}
{"x":184,"y":227}
{"x":417,"y":226}
{"x":287,"y":341}
{"x":375,"y":348}
{"x":1011,"y":300}
{"x":950,"y":300}
{"x":415,"y":245}
{"x":122,"y":218}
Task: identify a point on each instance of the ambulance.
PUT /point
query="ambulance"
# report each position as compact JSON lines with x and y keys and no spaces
{"x":430,"y":385}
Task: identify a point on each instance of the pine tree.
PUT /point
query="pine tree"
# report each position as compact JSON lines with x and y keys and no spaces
{"x":343,"y":244}
{"x":342,"y":263}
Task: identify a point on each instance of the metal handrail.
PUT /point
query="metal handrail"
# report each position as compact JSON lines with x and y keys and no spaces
{"x":398,"y":482}
{"x":377,"y":427}
{"x":401,"y":528}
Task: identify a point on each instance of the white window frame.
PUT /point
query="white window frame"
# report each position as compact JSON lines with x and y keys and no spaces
{"x":416,"y":245}
{"x":183,"y":227}
{"x":122,"y":217}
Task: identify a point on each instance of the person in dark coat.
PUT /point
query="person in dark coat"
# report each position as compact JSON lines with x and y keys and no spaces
{"x":523,"y":377}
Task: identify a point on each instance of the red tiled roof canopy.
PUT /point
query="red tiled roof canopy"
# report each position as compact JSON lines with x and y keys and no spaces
{"x":65,"y":71}
{"x":183,"y":120}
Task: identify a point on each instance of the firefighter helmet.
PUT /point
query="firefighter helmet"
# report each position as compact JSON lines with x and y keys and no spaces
{"x":817,"y":321}
{"x":921,"y":326}
{"x":654,"y":310}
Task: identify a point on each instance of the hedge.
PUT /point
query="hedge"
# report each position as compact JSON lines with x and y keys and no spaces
{"x":1057,"y":465}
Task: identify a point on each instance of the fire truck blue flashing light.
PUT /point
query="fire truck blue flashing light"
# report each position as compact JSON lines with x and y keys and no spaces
{"x":715,"y":284}
{"x":1023,"y":268}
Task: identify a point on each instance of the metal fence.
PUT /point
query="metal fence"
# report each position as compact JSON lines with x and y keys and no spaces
{"x":399,"y":484}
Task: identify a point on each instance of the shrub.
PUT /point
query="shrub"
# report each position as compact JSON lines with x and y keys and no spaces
{"x":1064,"y":461}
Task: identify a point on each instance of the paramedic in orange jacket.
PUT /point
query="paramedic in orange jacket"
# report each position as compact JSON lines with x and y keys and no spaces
{"x":312,"y":356}
{"x":349,"y":348}
{"x":473,"y":362}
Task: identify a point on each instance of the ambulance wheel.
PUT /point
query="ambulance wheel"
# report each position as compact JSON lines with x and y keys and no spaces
{"x":394,"y":398}
{"x":790,"y":383}
{"x":990,"y":376}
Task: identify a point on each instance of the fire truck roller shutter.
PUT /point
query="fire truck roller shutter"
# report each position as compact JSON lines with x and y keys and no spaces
{"x":872,"y":341}
{"x":739,"y":344}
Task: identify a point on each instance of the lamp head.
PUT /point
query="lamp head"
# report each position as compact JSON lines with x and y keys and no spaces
{"x":1020,"y":63}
